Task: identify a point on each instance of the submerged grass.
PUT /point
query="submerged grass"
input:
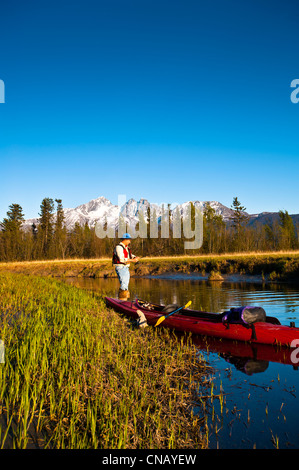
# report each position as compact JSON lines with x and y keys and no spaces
{"x":76,"y":375}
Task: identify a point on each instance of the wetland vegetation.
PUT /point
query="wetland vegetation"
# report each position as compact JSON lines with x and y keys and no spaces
{"x":79,"y":375}
{"x":76,"y":375}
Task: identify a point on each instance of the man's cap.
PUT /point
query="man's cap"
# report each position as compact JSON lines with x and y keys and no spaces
{"x":126,"y":236}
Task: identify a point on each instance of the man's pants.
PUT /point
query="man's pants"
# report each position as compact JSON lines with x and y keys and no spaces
{"x":123,"y":273}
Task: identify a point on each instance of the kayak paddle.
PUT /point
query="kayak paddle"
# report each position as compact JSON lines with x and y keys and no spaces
{"x":164,"y":317}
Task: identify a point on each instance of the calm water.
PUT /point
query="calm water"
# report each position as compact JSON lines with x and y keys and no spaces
{"x":260,"y":383}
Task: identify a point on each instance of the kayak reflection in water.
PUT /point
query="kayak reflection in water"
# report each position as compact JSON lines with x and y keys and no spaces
{"x":247,"y":365}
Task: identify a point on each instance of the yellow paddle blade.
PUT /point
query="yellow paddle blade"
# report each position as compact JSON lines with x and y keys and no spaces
{"x":188,"y":304}
{"x":160,"y":320}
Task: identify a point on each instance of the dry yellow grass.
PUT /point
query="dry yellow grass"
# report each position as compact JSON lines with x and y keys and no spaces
{"x":280,"y":265}
{"x":293,"y":253}
{"x":228,"y":255}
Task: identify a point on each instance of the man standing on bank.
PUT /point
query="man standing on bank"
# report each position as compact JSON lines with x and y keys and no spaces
{"x":122,"y":257}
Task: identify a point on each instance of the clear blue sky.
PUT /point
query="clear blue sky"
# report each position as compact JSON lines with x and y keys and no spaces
{"x":167,"y":100}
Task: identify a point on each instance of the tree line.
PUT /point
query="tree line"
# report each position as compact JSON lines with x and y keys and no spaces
{"x":50,"y":239}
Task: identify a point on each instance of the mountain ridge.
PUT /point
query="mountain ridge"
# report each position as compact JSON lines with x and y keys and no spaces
{"x":101,"y":209}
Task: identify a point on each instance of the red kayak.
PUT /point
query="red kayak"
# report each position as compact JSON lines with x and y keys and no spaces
{"x":209,"y":324}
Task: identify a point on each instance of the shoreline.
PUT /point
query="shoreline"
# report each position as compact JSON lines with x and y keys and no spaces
{"x":239,"y":267}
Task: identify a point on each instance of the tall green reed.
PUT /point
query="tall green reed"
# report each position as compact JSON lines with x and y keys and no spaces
{"x":76,"y":376}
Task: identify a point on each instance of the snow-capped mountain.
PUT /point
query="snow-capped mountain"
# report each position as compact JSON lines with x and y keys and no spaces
{"x":102,"y":210}
{"x":219,"y":208}
{"x":91,"y":212}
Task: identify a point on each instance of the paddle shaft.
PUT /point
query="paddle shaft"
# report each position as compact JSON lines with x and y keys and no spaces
{"x":177,"y":310}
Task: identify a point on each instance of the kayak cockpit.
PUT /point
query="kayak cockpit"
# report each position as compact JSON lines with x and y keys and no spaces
{"x":213,"y":317}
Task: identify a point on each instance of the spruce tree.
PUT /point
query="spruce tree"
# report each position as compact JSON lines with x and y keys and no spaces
{"x":46,"y":227}
{"x":76,"y":241}
{"x":14,"y":220}
{"x":12,"y":235}
{"x":60,"y":231}
{"x":239,"y":220}
{"x":287,"y":231}
{"x":213,"y":230}
{"x":269,"y":237}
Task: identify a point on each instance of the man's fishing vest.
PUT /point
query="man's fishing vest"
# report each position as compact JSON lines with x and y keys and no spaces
{"x":127,"y":254}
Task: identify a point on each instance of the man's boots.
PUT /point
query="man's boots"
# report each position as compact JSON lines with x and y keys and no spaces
{"x":123,"y":294}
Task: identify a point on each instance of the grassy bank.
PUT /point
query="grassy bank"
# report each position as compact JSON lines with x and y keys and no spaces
{"x":280,"y":266}
{"x":76,"y":375}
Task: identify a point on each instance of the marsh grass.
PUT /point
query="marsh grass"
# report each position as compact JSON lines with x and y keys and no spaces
{"x":77,"y":375}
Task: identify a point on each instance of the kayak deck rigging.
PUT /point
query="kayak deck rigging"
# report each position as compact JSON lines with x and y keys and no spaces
{"x":213,"y":317}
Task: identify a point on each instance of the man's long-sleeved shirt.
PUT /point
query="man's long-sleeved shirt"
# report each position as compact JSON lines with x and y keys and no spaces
{"x":122,"y":253}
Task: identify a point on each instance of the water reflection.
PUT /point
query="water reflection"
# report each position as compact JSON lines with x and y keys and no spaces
{"x":249,"y":358}
{"x":279,"y":300}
